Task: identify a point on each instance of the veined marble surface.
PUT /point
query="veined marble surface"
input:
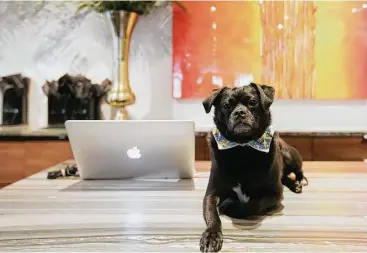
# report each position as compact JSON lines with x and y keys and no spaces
{"x":68,"y":215}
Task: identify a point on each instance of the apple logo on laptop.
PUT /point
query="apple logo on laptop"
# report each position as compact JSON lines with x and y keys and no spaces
{"x":133,"y":153}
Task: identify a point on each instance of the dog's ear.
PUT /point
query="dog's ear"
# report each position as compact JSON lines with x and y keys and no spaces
{"x":3,"y":85}
{"x":106,"y":85}
{"x":46,"y":88}
{"x":210,"y":101}
{"x":65,"y":79}
{"x":266,"y":94}
{"x":97,"y":90}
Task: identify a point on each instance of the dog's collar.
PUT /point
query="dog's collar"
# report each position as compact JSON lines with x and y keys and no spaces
{"x":262,"y":144}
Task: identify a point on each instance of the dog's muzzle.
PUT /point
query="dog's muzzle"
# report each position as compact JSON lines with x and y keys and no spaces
{"x":241,"y":120}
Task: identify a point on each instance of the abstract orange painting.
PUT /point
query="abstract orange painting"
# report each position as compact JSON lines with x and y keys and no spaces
{"x":304,"y":49}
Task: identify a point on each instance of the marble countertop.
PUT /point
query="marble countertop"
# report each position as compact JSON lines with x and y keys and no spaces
{"x":69,"y":215}
{"x":9,"y":133}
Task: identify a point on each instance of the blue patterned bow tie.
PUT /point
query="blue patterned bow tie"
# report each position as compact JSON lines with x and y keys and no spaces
{"x":262,"y":144}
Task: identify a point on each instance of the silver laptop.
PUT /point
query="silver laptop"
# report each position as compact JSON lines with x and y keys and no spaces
{"x":155,"y":149}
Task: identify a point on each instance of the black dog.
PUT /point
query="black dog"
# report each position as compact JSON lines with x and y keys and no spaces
{"x":78,"y":87}
{"x":74,"y":97}
{"x":250,"y":163}
{"x":14,"y":90}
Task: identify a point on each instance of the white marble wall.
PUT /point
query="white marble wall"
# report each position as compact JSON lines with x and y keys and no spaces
{"x":43,"y":44}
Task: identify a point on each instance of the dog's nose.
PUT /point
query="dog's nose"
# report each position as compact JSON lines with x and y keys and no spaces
{"x":239,"y":113}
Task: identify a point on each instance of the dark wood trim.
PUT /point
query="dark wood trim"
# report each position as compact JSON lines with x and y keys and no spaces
{"x":22,"y":138}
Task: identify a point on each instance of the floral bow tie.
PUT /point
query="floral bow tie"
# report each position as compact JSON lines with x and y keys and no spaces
{"x":262,"y":144}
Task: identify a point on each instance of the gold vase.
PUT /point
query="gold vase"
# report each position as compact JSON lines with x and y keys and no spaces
{"x":122,"y":25}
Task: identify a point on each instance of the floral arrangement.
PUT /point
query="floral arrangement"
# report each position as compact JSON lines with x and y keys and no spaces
{"x":140,"y":7}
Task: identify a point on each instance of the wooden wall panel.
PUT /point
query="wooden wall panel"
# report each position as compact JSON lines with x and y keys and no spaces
{"x":19,"y":159}
{"x":22,"y":159}
{"x":302,"y":144}
{"x":200,"y":144}
{"x":313,"y":148}
{"x":11,"y":162}
{"x":207,"y":155}
{"x":41,"y":155}
{"x":339,"y":149}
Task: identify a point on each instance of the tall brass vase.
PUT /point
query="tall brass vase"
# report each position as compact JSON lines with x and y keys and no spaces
{"x":122,"y":25}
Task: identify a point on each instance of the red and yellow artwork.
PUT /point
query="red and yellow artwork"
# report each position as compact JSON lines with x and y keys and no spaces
{"x":304,"y":49}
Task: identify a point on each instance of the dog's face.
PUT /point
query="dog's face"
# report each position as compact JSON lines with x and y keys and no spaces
{"x":81,"y":89}
{"x":77,"y":86}
{"x":241,"y":114}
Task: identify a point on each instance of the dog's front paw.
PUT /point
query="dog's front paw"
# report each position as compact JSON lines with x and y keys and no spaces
{"x":297,"y":187}
{"x":211,"y":241}
{"x":295,"y":183}
{"x":304,"y":181}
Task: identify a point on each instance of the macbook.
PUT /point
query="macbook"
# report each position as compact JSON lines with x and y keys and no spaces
{"x":151,"y":149}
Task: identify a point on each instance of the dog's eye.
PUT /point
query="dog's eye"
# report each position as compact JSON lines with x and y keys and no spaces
{"x":226,"y":105}
{"x":252,"y":102}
